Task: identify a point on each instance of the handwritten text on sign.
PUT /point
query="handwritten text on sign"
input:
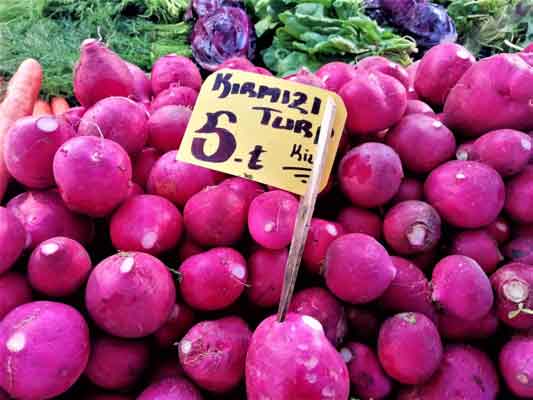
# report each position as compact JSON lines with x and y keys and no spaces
{"x":261,"y":128}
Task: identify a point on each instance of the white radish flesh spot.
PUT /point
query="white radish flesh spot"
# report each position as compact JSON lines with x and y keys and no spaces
{"x":501,"y":226}
{"x":437,"y":124}
{"x":460,"y":176}
{"x":269,"y":227}
{"x":238,"y":271}
{"x":16,"y":342}
{"x":332,"y":230}
{"x":516,"y":291}
{"x":311,"y":322}
{"x":47,"y":124}
{"x":148,"y":241}
{"x":127,"y":265}
{"x":346,"y":355}
{"x":463,"y":54}
{"x":96,"y":156}
{"x":49,"y":249}
{"x":417,"y":235}
{"x":186,"y":346}
{"x":526,"y":144}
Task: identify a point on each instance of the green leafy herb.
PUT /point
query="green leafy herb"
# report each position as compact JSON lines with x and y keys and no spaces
{"x":310,"y":34}
{"x":487,"y":27}
{"x":51,"y":31}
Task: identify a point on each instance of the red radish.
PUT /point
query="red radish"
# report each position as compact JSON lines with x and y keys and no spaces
{"x":130,"y":295}
{"x":266,"y":269}
{"x":175,"y":95}
{"x":422,"y":142}
{"x":171,"y":388}
{"x":116,"y":363}
{"x":213,"y":353}
{"x":453,"y":328}
{"x":499,"y":230}
{"x":370,"y":174}
{"x":294,"y":360}
{"x":216,"y":216}
{"x":321,"y":234}
{"x":167,"y":126}
{"x":461,"y":288}
{"x":411,"y":72}
{"x":306,"y":77}
{"x":409,"y":348}
{"x":119,"y":119}
{"x":146,"y":223}
{"x":14,"y":291}
{"x":100,"y":73}
{"x":479,"y":246}
{"x":58,"y":267}
{"x":465,"y":373}
{"x":362,"y":323}
{"x":374,"y":101}
{"x":271,"y":219}
{"x":440,"y":69}
{"x":142,"y":87}
{"x":335,"y":74}
{"x":412,"y":227}
{"x":418,"y":107}
{"x":44,"y":215}
{"x":174,"y":69}
{"x":321,"y":305}
{"x":188,"y":249}
{"x":359,"y":220}
{"x":520,"y":250}
{"x":46,"y":341}
{"x":13,"y":238}
{"x":178,"y":323}
{"x":409,"y":291}
{"x":142,"y":165}
{"x":505,"y":104}
{"x":410,"y":189}
{"x":30,"y":146}
{"x":519,"y":195}
{"x":505,"y":150}
{"x":381,"y":64}
{"x":516,"y":367}
{"x":213,"y":280}
{"x":86,"y":163}
{"x":178,"y":181}
{"x":512,"y":284}
{"x":466,"y":194}
{"x":366,"y":375}
{"x":73,"y":116}
{"x":358,"y":269}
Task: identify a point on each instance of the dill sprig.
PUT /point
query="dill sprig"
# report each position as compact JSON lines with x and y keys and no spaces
{"x":51,"y":31}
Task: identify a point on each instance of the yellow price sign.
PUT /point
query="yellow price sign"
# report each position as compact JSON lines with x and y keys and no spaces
{"x":261,"y":128}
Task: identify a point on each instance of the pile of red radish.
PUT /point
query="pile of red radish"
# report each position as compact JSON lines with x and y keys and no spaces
{"x":128,"y":274}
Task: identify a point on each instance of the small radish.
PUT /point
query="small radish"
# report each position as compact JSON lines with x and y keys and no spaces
{"x":14,"y":291}
{"x":58,"y":267}
{"x":266,"y":269}
{"x":13,"y":238}
{"x":213,"y":280}
{"x":86,"y":163}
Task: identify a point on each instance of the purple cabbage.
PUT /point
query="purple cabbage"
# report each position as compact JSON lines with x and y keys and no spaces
{"x":429,"y":24}
{"x":225,"y":33}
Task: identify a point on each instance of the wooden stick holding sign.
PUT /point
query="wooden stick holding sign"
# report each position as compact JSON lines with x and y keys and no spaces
{"x":306,"y":209}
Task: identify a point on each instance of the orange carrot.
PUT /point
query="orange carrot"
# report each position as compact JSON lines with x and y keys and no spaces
{"x":41,"y":107}
{"x":59,"y":105}
{"x":22,"y":92}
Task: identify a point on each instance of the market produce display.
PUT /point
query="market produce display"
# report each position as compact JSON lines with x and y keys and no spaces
{"x":128,"y":274}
